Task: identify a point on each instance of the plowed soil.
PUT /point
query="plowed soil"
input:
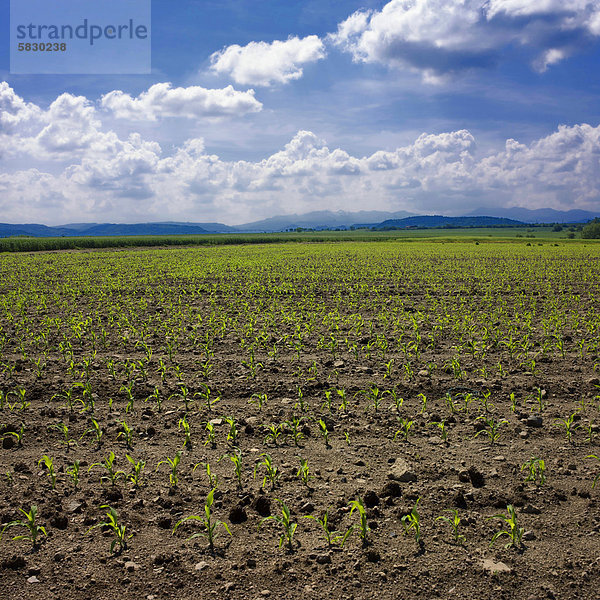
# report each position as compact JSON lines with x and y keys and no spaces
{"x":326,"y":321}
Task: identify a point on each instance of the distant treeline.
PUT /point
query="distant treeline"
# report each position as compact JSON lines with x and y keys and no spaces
{"x":31,"y":244}
{"x":413,"y":234}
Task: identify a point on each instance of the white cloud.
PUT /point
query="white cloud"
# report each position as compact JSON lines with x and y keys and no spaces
{"x":33,"y":196}
{"x":562,"y":168}
{"x":549,"y":58}
{"x":68,"y":128}
{"x":126,"y":172}
{"x":520,"y":8}
{"x":15,"y":113}
{"x":194,"y":102}
{"x":261,"y":63}
{"x":441,"y":37}
{"x":100,"y":176}
{"x":71,"y":127}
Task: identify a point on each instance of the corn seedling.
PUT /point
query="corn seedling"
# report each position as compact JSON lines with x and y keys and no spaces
{"x":454,"y":523}
{"x":236,"y":459}
{"x":73,"y":473}
{"x":128,"y":389}
{"x":398,"y":401}
{"x":405,"y":427}
{"x":591,"y":432}
{"x":184,"y":426}
{"x":21,"y":402}
{"x":331,"y":537}
{"x":412,"y":522}
{"x":273,"y":434}
{"x":324,"y":432}
{"x":363,"y":526}
{"x":33,"y":529}
{"x":389,"y":366}
{"x":598,"y":475}
{"x":441,"y":425}
{"x":536,"y":470}
{"x":39,"y":368}
{"x":233,"y":433}
{"x":295,"y":427}
{"x":375,"y":396}
{"x":539,"y":398}
{"x":184,"y":396}
{"x":486,"y":404}
{"x":96,"y":430}
{"x":286,"y":523}
{"x":155,"y":395}
{"x":303,"y":472}
{"x":301,"y":403}
{"x":210,"y":434}
{"x":173,"y":463}
{"x":514,"y":532}
{"x":213,"y":479}
{"x":112,"y":475}
{"x":491,"y":428}
{"x":49,"y":464}
{"x":259,"y":399}
{"x":68,"y":397}
{"x":127,"y":434}
{"x":119,"y":531}
{"x":136,"y":474}
{"x":569,"y":426}
{"x":210,"y":525}
{"x":271,"y":472}
{"x":162,"y":369}
{"x":206,"y":394}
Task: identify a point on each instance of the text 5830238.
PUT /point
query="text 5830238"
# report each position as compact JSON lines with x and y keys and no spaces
{"x":42,"y":47}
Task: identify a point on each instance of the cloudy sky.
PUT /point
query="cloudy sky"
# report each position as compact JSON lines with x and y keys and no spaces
{"x":260,"y":108}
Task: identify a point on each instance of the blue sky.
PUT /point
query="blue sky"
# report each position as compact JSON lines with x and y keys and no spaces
{"x":255,"y":109}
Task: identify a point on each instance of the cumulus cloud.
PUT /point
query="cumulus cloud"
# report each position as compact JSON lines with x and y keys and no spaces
{"x":41,"y":197}
{"x":68,"y":128}
{"x":520,"y":8}
{"x":265,"y":64}
{"x":563,"y":167}
{"x":101,"y":176}
{"x":441,"y":37}
{"x":15,"y":113}
{"x":194,"y":102}
{"x":71,"y":127}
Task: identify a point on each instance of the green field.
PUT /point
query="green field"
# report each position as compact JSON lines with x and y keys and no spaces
{"x":540,"y":234}
{"x":353,"y":382}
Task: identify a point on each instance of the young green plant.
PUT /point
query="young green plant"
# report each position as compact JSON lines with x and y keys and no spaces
{"x":33,"y":529}
{"x":210,"y":525}
{"x":286,"y":523}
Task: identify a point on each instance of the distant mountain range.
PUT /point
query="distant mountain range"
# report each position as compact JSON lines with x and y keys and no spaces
{"x":318,"y":220}
{"x":441,"y":221}
{"x":540,"y":215}
{"x":322,"y":219}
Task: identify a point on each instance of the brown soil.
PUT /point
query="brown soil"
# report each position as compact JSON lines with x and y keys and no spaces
{"x":559,"y":556}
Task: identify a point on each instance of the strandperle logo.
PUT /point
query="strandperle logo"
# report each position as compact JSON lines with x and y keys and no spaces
{"x":80,"y":37}
{"x":85,"y":31}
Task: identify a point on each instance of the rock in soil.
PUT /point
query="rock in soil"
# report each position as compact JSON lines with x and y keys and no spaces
{"x":401,"y":471}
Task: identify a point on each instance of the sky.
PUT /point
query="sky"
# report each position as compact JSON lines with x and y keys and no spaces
{"x":260,"y":108}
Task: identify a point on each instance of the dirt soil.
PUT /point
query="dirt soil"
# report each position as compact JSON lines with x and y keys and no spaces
{"x":366,"y":456}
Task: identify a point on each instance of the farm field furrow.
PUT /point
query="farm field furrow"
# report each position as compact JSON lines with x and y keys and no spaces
{"x":340,"y":420}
